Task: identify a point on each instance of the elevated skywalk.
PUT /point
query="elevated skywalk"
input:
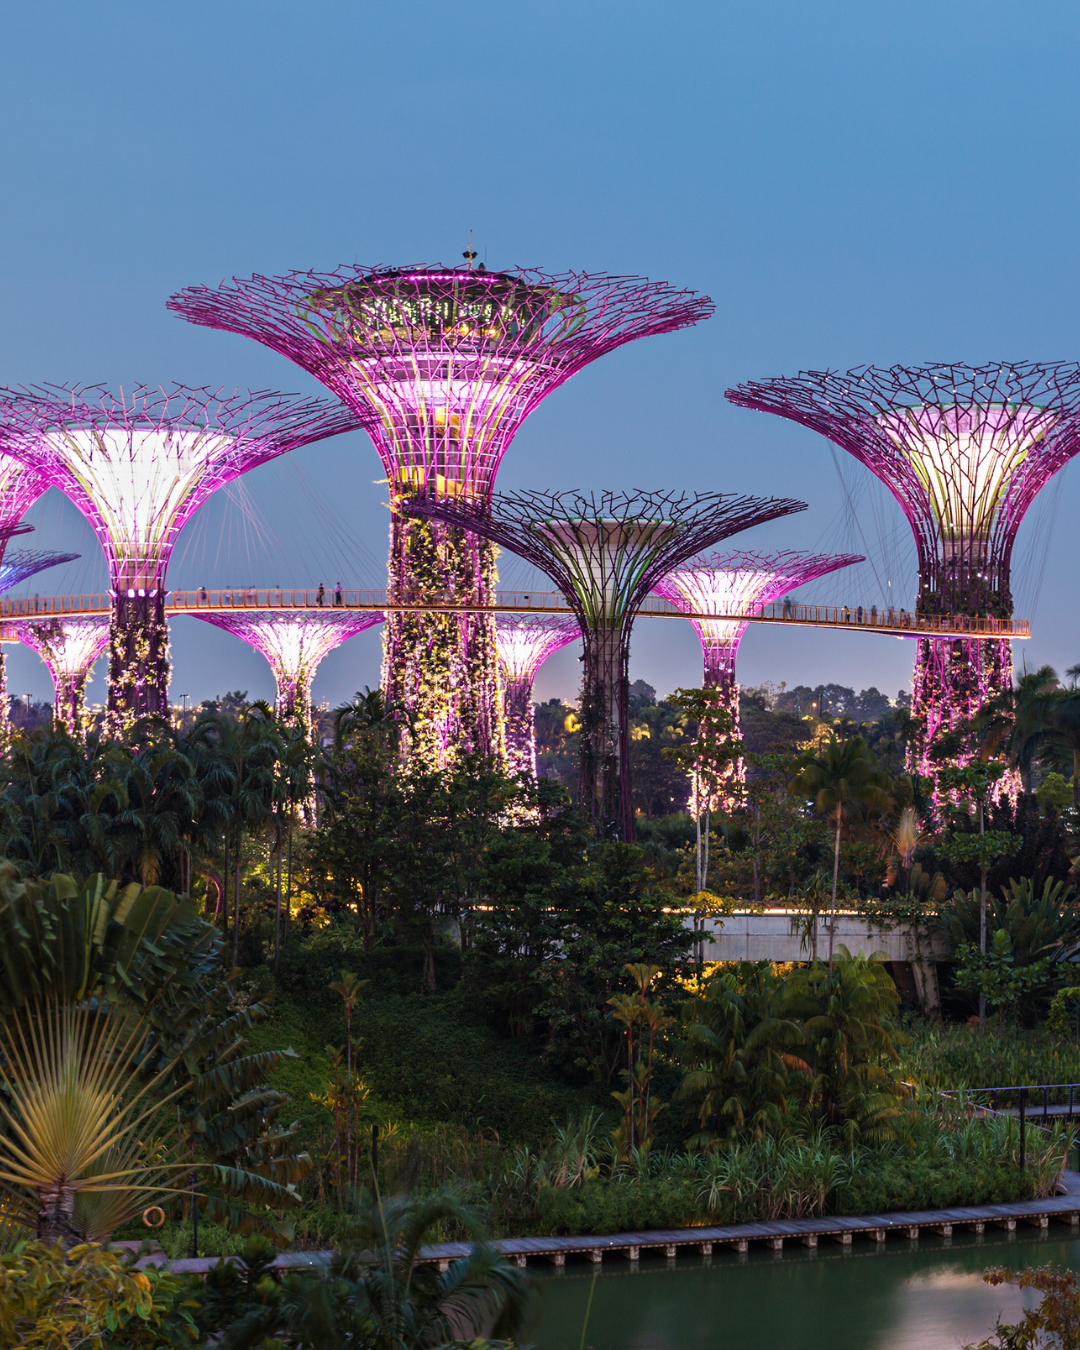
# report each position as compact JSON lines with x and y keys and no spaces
{"x":857,"y":618}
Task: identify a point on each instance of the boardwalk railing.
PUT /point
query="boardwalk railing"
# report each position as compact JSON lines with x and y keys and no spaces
{"x":1028,"y":1102}
{"x":895,"y":622}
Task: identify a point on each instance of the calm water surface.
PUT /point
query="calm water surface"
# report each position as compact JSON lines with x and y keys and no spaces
{"x":896,"y":1296}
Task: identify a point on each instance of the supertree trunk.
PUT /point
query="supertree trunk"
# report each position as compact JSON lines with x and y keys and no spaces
{"x":605,"y":757}
{"x":70,"y":710}
{"x":5,"y":707}
{"x":520,"y":723}
{"x":138,"y":661}
{"x":952,"y":680}
{"x":721,"y":676}
{"x":442,"y":667}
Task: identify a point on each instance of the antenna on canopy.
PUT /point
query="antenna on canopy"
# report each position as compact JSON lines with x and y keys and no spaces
{"x":470,"y":252}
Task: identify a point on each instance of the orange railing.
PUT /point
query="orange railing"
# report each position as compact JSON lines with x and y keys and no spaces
{"x":898,"y":622}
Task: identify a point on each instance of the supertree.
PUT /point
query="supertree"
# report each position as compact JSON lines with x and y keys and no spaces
{"x":294,"y":642}
{"x":443,"y":365}
{"x":525,"y":642}
{"x":69,"y":647}
{"x":20,"y":487}
{"x":735,"y":584}
{"x":964,"y":450}
{"x":19,"y":563}
{"x":138,"y":466}
{"x":605,"y":552}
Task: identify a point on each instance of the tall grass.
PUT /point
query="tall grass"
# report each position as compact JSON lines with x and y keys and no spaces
{"x":945,"y":1057}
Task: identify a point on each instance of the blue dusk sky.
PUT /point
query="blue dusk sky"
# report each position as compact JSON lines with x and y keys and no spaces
{"x":850,"y":182}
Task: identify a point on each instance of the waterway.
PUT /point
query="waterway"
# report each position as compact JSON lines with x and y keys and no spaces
{"x":926,"y":1295}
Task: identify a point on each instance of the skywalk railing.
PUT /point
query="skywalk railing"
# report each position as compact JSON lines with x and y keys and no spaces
{"x":860,"y":618}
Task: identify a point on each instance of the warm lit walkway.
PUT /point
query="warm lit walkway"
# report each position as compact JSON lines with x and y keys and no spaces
{"x":889,"y":622}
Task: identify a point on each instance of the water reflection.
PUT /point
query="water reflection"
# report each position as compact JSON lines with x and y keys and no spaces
{"x":894,"y":1296}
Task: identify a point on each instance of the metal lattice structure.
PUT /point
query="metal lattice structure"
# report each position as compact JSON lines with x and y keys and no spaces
{"x":138,"y":465}
{"x":69,"y":647}
{"x":605,"y":552}
{"x":20,"y":487}
{"x":735,"y":584}
{"x":964,"y":450}
{"x":19,"y":563}
{"x":442,"y":365}
{"x":525,"y":642}
{"x":294,"y":645}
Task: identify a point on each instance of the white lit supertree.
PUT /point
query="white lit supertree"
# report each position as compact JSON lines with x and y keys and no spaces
{"x":442,"y":365}
{"x":733,"y":585}
{"x":138,"y":465}
{"x":69,"y":647}
{"x":524,"y":643}
{"x":294,"y":642}
{"x":964,"y":450}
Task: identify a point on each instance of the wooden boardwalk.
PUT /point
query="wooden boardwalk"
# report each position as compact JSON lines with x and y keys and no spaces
{"x":909,"y":1226}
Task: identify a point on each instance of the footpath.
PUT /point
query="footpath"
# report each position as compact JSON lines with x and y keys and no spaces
{"x":909,"y":1226}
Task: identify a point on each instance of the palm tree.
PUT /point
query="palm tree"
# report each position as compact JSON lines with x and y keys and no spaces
{"x":112,"y":1005}
{"x":846,"y":1019}
{"x":237,"y":761}
{"x":739,"y":1051}
{"x":410,"y":1306}
{"x":843,"y":772}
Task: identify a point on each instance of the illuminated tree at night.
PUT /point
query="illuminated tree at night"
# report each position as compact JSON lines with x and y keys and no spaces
{"x":138,"y":466}
{"x":20,"y":487}
{"x":443,"y":365}
{"x":19,"y":563}
{"x":964,"y":450}
{"x":294,"y":642}
{"x":605,"y":552}
{"x":69,"y":647}
{"x":735,"y":584}
{"x":525,"y":642}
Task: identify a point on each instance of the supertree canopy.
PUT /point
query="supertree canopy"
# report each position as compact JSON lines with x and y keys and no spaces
{"x":20,"y":487}
{"x":605,"y":552}
{"x":525,"y":642}
{"x":294,"y":642}
{"x":443,"y":365}
{"x":19,"y":563}
{"x":138,"y":466}
{"x":964,"y":450}
{"x":69,"y":647}
{"x":735,"y":584}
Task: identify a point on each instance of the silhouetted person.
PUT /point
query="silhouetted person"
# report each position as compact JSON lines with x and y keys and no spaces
{"x":339,"y":599}
{"x":319,"y":599}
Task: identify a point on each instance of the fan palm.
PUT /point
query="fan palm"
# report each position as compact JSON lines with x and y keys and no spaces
{"x":111,"y":1005}
{"x":738,"y":1051}
{"x":843,"y":772}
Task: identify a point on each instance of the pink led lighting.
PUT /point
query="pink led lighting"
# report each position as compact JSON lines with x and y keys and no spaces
{"x":737,"y":583}
{"x":294,"y":643}
{"x":69,"y":647}
{"x":138,"y":466}
{"x":525,"y":642}
{"x":964,"y":450}
{"x":442,"y":365}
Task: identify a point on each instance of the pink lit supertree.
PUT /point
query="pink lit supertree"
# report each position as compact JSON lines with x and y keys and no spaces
{"x":138,"y":466}
{"x":605,"y":552}
{"x":525,"y":642}
{"x":69,"y":647}
{"x":20,"y":487}
{"x":443,"y":365}
{"x":294,"y":642}
{"x":964,"y":450}
{"x":735,"y":584}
